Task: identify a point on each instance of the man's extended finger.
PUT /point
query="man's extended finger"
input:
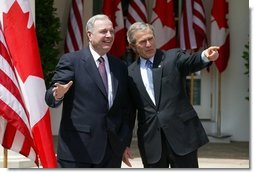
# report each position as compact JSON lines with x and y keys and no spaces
{"x":215,"y":47}
{"x":68,"y":85}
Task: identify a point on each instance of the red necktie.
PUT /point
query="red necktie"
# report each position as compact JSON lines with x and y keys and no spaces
{"x":102,"y":71}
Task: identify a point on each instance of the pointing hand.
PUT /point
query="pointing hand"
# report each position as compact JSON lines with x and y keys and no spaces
{"x":212,"y":53}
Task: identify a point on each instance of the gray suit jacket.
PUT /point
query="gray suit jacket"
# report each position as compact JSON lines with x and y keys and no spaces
{"x":173,"y":112}
{"x":87,"y":124}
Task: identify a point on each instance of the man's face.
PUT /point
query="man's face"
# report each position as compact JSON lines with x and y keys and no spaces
{"x":102,"y":36}
{"x":145,"y":45}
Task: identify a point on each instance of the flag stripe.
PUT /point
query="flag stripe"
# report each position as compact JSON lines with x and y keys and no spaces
{"x":11,"y":116}
{"x":4,"y":52}
{"x":74,"y":36}
{"x":9,"y":86}
{"x":137,"y":12}
{"x":78,"y":13}
{"x":9,"y":136}
{"x":72,"y":39}
{"x":75,"y":28}
{"x":68,"y":46}
{"x":8,"y":78}
{"x":193,"y":25}
{"x":25,"y":149}
{"x":140,"y":9}
{"x":7,"y":70}
{"x":12,"y":139}
{"x":13,"y":92}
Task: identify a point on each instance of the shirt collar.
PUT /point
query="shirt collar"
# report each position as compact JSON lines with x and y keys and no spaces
{"x":143,"y":61}
{"x":96,"y":56}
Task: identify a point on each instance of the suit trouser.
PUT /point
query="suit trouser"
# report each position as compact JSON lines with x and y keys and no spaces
{"x":169,"y":158}
{"x":110,"y":160}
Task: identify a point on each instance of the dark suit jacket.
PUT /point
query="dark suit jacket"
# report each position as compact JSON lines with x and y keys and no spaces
{"x":87,"y":123}
{"x":173,"y":112}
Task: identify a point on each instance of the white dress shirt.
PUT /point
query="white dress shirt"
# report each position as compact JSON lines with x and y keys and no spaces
{"x":147,"y":77}
{"x":96,"y":56}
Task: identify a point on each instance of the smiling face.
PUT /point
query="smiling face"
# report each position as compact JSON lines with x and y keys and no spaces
{"x":144,"y":45}
{"x":101,"y":36}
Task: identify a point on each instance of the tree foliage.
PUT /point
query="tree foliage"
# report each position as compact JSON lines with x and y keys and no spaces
{"x":48,"y":34}
{"x":245,"y":56}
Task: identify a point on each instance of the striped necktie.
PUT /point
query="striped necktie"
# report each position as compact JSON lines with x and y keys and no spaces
{"x":103,"y":73}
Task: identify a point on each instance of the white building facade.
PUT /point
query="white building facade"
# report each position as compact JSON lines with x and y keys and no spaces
{"x":235,"y":109}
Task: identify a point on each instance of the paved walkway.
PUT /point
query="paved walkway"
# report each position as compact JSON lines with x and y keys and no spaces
{"x":212,"y":155}
{"x":203,"y":163}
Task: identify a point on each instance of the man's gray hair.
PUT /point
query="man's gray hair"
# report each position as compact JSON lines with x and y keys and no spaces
{"x":138,"y":26}
{"x":91,"y":21}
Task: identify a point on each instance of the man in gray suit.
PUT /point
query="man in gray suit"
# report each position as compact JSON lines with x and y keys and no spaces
{"x":169,"y":130}
{"x":93,"y":88}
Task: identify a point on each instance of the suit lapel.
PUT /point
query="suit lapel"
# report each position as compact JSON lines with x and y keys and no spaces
{"x":92,"y":70}
{"x":139,"y":81}
{"x":113,"y":71}
{"x":157,"y":72}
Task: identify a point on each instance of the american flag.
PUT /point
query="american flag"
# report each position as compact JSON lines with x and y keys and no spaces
{"x":193,"y":25}
{"x":15,"y":133}
{"x":137,"y":12}
{"x":74,"y":37}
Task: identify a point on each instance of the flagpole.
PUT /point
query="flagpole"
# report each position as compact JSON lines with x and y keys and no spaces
{"x":5,"y":161}
{"x":218,"y":122}
{"x":218,"y":136}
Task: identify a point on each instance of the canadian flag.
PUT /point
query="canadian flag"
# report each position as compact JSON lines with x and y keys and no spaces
{"x":220,"y":32}
{"x":113,"y":9}
{"x":19,"y":32}
{"x":164,"y":24}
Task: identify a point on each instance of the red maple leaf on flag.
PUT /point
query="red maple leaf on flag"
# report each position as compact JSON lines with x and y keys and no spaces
{"x":23,"y":49}
{"x":110,"y":10}
{"x":113,"y":9}
{"x":220,"y":32}
{"x":162,"y":7}
{"x":21,"y":39}
{"x":223,"y":8}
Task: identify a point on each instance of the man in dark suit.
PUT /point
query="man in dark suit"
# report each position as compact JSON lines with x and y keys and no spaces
{"x":94,"y":126}
{"x":169,"y":130}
